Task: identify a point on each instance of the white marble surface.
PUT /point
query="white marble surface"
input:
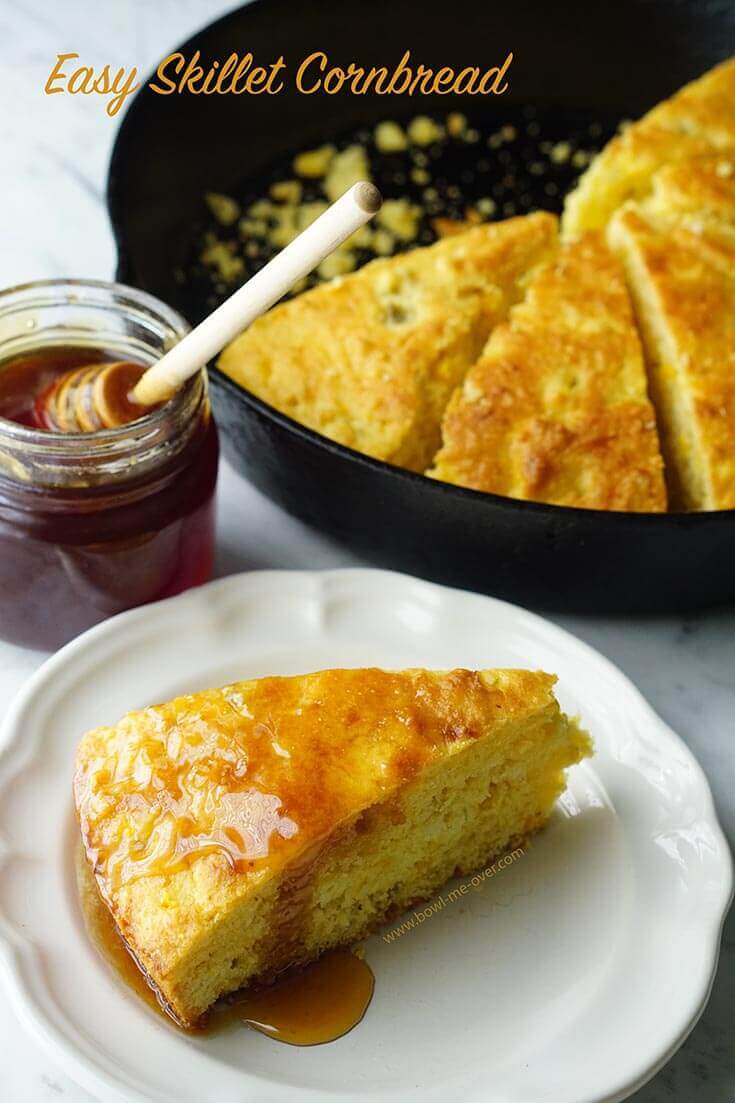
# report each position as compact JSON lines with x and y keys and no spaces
{"x":53,"y":222}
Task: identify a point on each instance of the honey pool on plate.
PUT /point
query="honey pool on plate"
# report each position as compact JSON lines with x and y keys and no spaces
{"x":305,"y":1007}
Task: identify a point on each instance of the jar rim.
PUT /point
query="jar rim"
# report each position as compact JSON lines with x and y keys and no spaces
{"x":104,"y":439}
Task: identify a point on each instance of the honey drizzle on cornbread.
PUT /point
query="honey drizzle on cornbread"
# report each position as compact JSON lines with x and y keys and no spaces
{"x":205,"y":781}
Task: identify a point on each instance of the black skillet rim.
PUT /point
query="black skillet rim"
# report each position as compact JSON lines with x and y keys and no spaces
{"x":341,"y":451}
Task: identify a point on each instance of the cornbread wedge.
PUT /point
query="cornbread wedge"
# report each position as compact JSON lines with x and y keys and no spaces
{"x":697,"y":121}
{"x":371,"y":359}
{"x":683,"y":284}
{"x":556,"y":408}
{"x":698,"y":196}
{"x":240,"y":830}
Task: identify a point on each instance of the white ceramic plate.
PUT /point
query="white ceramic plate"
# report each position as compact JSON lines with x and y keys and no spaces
{"x":569,"y":977}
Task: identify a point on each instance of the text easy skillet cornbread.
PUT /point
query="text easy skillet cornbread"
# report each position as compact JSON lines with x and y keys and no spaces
{"x":371,"y":359}
{"x":238,"y":831}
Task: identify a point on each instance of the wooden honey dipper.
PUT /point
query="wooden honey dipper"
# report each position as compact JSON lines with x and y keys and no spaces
{"x":105,"y":395}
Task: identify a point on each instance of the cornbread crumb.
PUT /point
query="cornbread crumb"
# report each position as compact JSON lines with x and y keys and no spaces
{"x":262,"y":208}
{"x":383,"y":243}
{"x":420,"y":176}
{"x":456,"y":124}
{"x":225,"y":209}
{"x":314,"y":163}
{"x":581,"y":158}
{"x":252,"y":227}
{"x":337,"y":264}
{"x":400,"y":218}
{"x":287,"y":191}
{"x":361,"y":239}
{"x":486,"y":206}
{"x":422,"y":131}
{"x":309,"y":212}
{"x":561,"y":153}
{"x":347,"y":168}
{"x":285,"y":227}
{"x":389,"y":137}
{"x":220,"y":255}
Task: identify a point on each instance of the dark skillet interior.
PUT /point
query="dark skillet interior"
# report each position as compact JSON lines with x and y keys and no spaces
{"x":572,"y":61}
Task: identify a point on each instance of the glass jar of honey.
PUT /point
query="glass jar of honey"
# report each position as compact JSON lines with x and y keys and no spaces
{"x":94,"y":523}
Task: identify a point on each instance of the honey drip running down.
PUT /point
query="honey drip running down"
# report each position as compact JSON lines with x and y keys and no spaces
{"x":105,"y":937}
{"x":318,"y":1003}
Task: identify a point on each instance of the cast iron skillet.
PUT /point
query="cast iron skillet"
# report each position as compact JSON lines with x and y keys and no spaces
{"x":610,"y":58}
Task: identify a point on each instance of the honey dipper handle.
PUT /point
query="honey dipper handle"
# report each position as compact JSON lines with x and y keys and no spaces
{"x":266,"y":287}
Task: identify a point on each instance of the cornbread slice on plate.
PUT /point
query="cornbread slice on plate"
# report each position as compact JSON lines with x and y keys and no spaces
{"x":371,"y":359}
{"x":697,"y":121}
{"x":556,"y":409}
{"x":683,"y":284}
{"x":240,"y":830}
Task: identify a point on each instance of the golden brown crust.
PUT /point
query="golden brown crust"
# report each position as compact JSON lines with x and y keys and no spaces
{"x":697,"y":121}
{"x":556,"y":408}
{"x":683,"y":283}
{"x":371,"y":359}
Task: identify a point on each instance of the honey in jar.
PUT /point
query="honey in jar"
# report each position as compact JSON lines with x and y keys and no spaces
{"x":95,"y":523}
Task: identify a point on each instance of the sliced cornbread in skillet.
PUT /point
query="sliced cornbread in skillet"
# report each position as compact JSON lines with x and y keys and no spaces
{"x":556,"y":408}
{"x":698,"y":120}
{"x":370,"y":359}
{"x":681,"y":272}
{"x":237,"y":831}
